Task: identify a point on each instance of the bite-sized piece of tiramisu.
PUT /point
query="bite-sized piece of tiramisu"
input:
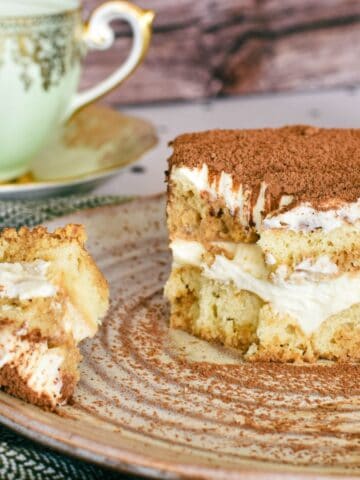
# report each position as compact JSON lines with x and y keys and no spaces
{"x":265,"y":233}
{"x":52,"y":296}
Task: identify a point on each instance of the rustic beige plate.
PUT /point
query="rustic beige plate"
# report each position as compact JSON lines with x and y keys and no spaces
{"x":158,"y":402}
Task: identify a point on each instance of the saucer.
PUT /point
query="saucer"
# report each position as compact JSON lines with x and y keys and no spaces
{"x":97,"y":143}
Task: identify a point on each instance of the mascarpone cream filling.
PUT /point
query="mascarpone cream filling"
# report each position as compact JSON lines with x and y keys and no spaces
{"x":302,"y":218}
{"x":75,"y":323}
{"x":308,"y":301}
{"x":305,"y":218}
{"x":37,"y":365}
{"x":25,"y":280}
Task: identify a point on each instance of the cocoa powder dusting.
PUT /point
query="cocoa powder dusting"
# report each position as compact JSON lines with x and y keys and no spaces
{"x":151,"y":392}
{"x":316,"y":165}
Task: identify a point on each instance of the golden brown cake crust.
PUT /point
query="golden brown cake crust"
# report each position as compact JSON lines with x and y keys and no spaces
{"x":68,"y":232}
{"x":14,"y":384}
{"x":194,"y":216}
{"x":40,"y":239}
{"x":14,"y":381}
{"x":316,"y":165}
{"x":59,"y":321}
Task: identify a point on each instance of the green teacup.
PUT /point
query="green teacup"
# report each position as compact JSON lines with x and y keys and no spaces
{"x":42,"y":44}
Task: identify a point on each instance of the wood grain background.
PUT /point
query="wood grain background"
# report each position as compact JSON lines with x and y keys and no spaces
{"x":205,"y":48}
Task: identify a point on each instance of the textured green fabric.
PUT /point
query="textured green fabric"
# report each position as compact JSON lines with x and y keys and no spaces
{"x":33,"y":212}
{"x":20,"y":458}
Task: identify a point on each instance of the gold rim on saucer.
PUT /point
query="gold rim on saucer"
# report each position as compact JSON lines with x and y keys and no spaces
{"x":97,"y":143}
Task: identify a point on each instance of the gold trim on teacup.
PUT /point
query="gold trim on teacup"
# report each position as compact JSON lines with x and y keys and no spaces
{"x":9,"y":21}
{"x":145,"y":18}
{"x":56,"y":41}
{"x":52,"y":42}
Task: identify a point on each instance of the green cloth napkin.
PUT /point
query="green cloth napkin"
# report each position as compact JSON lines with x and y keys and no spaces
{"x":33,"y":212}
{"x":20,"y":458}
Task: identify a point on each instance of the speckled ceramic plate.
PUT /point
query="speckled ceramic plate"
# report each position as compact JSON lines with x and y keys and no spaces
{"x":161,"y":403}
{"x":97,"y":143}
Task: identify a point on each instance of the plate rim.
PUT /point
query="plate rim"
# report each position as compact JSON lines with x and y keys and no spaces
{"x":146,"y":465}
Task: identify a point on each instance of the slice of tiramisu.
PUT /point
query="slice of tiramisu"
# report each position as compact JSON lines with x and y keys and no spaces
{"x":52,"y":296}
{"x":265,"y":233}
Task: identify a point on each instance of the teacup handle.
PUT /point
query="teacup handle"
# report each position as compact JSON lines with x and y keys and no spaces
{"x":99,"y":36}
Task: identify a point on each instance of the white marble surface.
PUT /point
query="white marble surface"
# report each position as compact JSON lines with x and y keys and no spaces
{"x":336,"y":108}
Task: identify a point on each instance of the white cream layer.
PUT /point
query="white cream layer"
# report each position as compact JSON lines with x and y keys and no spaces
{"x":38,"y":365}
{"x":237,"y":200}
{"x":321,"y":268}
{"x":75,"y":323}
{"x":302,"y":218}
{"x":309,"y":302}
{"x":29,"y":280}
{"x":25,"y":280}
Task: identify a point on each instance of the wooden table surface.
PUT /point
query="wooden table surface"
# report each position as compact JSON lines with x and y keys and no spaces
{"x":211,"y":47}
{"x":332,"y":108}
